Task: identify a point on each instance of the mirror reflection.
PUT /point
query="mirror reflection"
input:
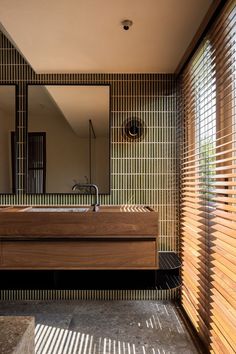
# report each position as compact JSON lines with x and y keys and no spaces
{"x":7,"y":124}
{"x":68,"y":138}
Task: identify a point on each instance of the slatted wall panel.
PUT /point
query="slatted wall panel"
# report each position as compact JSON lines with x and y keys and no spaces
{"x":117,"y":295}
{"x":208,"y":202}
{"x":144,"y":172}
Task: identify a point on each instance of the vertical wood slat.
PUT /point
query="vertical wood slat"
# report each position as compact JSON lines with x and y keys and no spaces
{"x":208,"y":185}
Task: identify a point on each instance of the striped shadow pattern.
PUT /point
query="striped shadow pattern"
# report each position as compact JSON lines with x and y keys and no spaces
{"x":95,"y":327}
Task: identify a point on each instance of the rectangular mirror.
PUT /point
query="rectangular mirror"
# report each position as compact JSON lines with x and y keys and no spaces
{"x":7,"y":138}
{"x":68,"y":138}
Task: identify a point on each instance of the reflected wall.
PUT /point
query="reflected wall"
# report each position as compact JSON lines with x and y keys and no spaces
{"x":7,"y":127}
{"x":68,"y":138}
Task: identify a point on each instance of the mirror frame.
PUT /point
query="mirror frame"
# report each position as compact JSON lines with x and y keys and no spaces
{"x":109,"y":110}
{"x":14,"y":181}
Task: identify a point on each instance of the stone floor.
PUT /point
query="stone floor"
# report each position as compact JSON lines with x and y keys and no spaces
{"x":105,"y":327}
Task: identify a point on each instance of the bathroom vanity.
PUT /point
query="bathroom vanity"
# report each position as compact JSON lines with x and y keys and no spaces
{"x":115,"y":237}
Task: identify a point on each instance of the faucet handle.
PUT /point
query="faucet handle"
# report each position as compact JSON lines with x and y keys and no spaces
{"x":95,"y":206}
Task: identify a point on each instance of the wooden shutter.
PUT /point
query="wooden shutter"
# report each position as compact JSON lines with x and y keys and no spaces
{"x":208,"y":202}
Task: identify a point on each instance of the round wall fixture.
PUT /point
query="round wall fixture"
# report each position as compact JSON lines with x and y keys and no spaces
{"x":126,"y":24}
{"x":133,"y":129}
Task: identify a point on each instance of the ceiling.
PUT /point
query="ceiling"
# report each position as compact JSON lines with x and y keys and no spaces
{"x":65,"y":36}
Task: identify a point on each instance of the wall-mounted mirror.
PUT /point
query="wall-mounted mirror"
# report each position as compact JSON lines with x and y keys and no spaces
{"x":7,"y":124}
{"x":68,"y":138}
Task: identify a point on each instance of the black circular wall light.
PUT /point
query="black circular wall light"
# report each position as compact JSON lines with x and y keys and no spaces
{"x":133,"y":129}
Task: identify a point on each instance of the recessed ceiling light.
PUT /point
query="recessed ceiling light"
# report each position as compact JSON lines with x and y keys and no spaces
{"x":126,"y":24}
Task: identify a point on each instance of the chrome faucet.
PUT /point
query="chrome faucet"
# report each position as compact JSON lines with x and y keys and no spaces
{"x":83,"y":185}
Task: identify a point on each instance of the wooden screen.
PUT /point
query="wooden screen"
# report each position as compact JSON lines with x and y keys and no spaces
{"x":208,"y":202}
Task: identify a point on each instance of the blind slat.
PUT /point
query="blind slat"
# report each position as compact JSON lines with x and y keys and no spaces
{"x":208,"y":185}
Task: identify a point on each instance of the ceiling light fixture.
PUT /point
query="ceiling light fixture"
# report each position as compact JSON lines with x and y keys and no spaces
{"x":126,"y":24}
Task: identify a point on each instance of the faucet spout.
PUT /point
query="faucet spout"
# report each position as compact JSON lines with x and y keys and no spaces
{"x":96,"y":204}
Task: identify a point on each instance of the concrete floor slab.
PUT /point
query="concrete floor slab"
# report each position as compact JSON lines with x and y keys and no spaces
{"x":105,"y":327}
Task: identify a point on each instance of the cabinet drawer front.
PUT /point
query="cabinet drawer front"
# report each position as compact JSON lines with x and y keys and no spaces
{"x":115,"y":254}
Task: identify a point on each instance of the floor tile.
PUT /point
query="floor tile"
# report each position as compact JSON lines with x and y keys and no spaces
{"x":105,"y":327}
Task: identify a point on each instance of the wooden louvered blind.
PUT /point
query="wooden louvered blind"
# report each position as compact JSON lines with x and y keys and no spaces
{"x":208,"y":202}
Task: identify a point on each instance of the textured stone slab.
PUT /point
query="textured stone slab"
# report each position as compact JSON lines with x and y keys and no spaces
{"x":16,"y":335}
{"x":105,"y":327}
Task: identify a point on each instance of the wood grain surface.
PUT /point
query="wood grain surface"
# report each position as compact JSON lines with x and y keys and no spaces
{"x":78,"y":240}
{"x":93,"y":254}
{"x":27,"y":225}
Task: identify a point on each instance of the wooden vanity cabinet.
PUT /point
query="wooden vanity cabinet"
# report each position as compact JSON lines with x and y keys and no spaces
{"x":78,"y":241}
{"x":86,"y":254}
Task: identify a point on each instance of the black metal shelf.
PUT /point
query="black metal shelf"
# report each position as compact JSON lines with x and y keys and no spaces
{"x":169,"y":261}
{"x":166,"y":277}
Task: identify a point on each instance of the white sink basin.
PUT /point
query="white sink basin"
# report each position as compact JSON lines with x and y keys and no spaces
{"x":57,"y":210}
